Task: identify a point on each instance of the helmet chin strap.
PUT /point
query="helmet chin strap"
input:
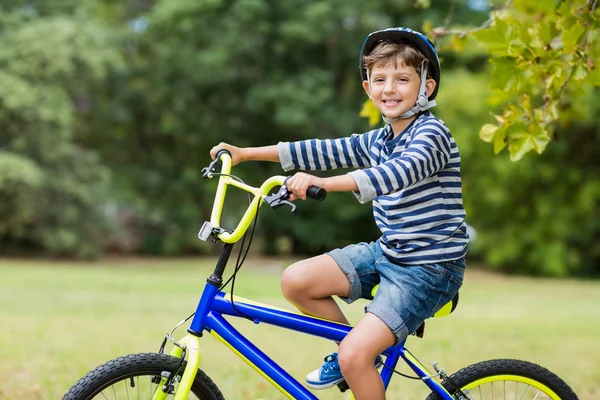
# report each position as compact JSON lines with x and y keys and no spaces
{"x":422,"y":104}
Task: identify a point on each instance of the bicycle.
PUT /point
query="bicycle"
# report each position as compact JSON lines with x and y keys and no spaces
{"x":177,"y":375}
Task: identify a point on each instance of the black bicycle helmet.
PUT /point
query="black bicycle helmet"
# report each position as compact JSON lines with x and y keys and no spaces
{"x":417,"y":39}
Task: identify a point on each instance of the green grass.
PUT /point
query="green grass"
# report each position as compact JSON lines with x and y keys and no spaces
{"x":59,"y":320}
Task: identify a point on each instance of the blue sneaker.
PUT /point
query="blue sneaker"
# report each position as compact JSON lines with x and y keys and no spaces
{"x":330,"y":374}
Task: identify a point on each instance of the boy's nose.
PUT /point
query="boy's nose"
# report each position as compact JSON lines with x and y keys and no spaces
{"x":389,"y":87}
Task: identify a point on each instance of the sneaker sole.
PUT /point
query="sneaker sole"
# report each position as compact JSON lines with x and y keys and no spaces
{"x":322,"y":386}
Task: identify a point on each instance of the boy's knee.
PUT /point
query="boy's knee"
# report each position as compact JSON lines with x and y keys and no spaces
{"x":294,"y":283}
{"x":353,"y":358}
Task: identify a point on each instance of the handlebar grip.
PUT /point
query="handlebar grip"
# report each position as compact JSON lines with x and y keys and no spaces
{"x":317,"y":193}
{"x":222,"y":151}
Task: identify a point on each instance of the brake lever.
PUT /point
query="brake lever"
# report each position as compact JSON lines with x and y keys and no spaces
{"x":280,"y":199}
{"x":212,"y":167}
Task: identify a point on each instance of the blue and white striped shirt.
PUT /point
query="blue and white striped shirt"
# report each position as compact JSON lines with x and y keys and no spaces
{"x":413,"y":180}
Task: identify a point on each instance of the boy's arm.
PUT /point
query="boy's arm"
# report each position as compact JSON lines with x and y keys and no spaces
{"x":265,"y":153}
{"x":239,"y":154}
{"x":428,"y":152}
{"x":315,"y":154}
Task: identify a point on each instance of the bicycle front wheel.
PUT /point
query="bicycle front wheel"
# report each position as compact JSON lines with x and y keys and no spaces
{"x":137,"y":376}
{"x":507,"y":379}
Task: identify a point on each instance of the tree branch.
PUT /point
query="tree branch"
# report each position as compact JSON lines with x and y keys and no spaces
{"x":450,"y":16}
{"x":584,"y":46}
{"x":442,"y":31}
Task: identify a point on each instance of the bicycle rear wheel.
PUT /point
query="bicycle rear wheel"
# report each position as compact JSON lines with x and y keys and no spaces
{"x":507,"y":379}
{"x":137,"y":376}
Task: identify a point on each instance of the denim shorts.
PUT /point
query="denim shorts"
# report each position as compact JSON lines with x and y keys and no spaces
{"x":407,"y":295}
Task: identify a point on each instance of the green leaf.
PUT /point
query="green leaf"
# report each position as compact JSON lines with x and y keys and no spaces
{"x":552,"y":110}
{"x":594,"y":77}
{"x":498,"y":97}
{"x":535,"y":6}
{"x":570,"y":37}
{"x":499,"y":140}
{"x":520,"y":146}
{"x":427,"y":27}
{"x":536,"y":41}
{"x":525,"y":102}
{"x":505,"y":76}
{"x":516,"y":129}
{"x":546,"y":31}
{"x":487,"y":132}
{"x":564,"y":9}
{"x":370,"y":111}
{"x":555,"y":78}
{"x":580,"y":71}
{"x":493,"y":39}
{"x":540,"y":138}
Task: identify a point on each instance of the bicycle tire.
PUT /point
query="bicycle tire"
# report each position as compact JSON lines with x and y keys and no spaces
{"x":125,"y":369}
{"x":471,"y":379}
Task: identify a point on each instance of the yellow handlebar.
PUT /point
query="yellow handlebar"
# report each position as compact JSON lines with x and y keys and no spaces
{"x":259,"y":193}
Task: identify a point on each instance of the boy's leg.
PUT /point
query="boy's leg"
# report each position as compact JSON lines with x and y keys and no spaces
{"x":309,"y":285}
{"x":357,"y":354}
{"x":349,"y":273}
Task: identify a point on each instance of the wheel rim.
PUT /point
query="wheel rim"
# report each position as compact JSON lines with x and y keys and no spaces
{"x":504,"y":387}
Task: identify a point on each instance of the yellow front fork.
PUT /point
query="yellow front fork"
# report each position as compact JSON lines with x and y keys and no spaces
{"x":192,"y":348}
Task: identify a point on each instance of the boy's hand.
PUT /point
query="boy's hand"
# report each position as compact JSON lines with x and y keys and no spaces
{"x":300,"y":182}
{"x":236,"y":152}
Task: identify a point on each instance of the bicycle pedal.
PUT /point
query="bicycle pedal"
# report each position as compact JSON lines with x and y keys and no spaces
{"x":343,"y":386}
{"x":420,"y":332}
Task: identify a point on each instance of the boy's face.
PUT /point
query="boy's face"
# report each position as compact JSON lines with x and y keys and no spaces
{"x":394,"y":88}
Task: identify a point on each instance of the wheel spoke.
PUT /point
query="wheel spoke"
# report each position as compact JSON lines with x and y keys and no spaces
{"x":526,"y":389}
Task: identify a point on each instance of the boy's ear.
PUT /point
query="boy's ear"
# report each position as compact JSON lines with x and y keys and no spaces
{"x":430,"y":85}
{"x":367,"y":88}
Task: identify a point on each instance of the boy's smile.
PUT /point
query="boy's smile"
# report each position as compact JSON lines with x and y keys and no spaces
{"x":393,"y":89}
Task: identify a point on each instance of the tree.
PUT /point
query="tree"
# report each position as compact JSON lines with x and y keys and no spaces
{"x":51,"y":188}
{"x":543,"y":57}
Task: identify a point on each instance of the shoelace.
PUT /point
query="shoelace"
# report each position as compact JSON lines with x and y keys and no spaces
{"x":331,"y":363}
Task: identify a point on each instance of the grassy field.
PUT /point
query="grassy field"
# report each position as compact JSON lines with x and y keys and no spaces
{"x":60,"y":320}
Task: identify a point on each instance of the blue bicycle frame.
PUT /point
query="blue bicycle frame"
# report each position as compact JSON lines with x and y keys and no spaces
{"x":214,"y":304}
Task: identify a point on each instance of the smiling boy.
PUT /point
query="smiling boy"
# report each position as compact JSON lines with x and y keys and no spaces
{"x":410,"y":170}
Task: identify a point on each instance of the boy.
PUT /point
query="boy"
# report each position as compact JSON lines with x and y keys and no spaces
{"x":410,"y":169}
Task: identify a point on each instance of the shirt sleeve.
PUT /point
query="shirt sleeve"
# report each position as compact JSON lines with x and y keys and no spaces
{"x":315,"y":154}
{"x":426,"y":154}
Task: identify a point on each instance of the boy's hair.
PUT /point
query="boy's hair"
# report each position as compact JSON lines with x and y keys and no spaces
{"x":388,"y":52}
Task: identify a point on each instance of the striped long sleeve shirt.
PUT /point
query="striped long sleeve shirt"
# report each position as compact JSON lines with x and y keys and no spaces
{"x":412,"y":179}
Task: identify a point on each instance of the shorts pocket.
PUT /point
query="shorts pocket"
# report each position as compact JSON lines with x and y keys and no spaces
{"x":447,"y":290}
{"x":435,"y":268}
{"x":434,"y":274}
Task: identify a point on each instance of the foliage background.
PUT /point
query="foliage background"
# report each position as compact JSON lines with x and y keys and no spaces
{"x":108,"y":110}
